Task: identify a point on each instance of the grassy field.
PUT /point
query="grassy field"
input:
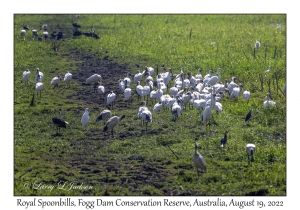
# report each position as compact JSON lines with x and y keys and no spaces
{"x":137,"y":162}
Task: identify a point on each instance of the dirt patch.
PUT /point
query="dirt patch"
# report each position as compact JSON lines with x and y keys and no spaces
{"x":110,"y":72}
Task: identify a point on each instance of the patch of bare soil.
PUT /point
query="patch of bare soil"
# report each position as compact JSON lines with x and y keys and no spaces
{"x":110,"y":72}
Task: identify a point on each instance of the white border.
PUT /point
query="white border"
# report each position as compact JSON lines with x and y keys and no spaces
{"x":138,"y":6}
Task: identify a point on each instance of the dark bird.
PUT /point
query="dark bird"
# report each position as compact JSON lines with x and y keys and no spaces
{"x":224,"y":139}
{"x":111,"y":123}
{"x":25,"y":27}
{"x":76,"y":32}
{"x":57,"y":36}
{"x":248,"y":115}
{"x":45,"y":33}
{"x":91,"y":33}
{"x":60,"y":123}
{"x":75,"y":25}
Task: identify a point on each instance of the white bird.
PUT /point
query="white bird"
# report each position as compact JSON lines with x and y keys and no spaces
{"x":150,"y":70}
{"x":68,"y":77}
{"x":23,"y":33}
{"x":101,"y":89}
{"x":39,"y":87}
{"x":156,"y":94}
{"x":111,"y":98}
{"x":127,"y":78}
{"x":104,"y":115}
{"x":236,"y":92}
{"x":139,"y":89}
{"x":199,"y":103}
{"x":257,"y":45}
{"x":55,"y":81}
{"x":85,"y":117}
{"x":170,"y":101}
{"x":34,"y":33}
{"x":207,"y":113}
{"x":268,"y":102}
{"x":177,"y":108}
{"x":199,"y":75}
{"x":173,"y":90}
{"x":39,"y":75}
{"x":46,"y":35}
{"x":158,"y":106}
{"x":214,"y":79}
{"x":127,"y":93}
{"x":268,"y":70}
{"x":250,"y":150}
{"x":26,"y":75}
{"x":144,"y":114}
{"x":199,"y":161}
{"x":111,"y":123}
{"x":186,"y":82}
{"x":121,"y":85}
{"x":193,"y":80}
{"x":246,"y":94}
{"x":167,"y":76}
{"x":94,"y":78}
{"x":232,"y":85}
{"x":137,"y":77}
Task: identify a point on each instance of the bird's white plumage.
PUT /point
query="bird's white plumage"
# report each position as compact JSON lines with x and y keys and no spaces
{"x":246,"y":95}
{"x":127,"y":93}
{"x":39,"y":86}
{"x":39,"y":75}
{"x":26,"y":75}
{"x":85,"y":117}
{"x":198,"y":160}
{"x":55,"y":80}
{"x":257,"y":44}
{"x":94,"y":78}
{"x":68,"y":77}
{"x":157,"y":107}
{"x":268,"y":102}
{"x":110,"y":97}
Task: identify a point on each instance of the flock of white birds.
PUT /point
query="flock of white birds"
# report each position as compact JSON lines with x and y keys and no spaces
{"x":204,"y":92}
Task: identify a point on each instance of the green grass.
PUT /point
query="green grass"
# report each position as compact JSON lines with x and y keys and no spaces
{"x":136,"y":162}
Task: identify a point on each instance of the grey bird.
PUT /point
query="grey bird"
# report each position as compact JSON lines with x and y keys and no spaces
{"x":199,"y":161}
{"x":111,"y":123}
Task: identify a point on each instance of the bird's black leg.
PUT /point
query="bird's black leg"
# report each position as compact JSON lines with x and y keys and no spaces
{"x":112,"y":132}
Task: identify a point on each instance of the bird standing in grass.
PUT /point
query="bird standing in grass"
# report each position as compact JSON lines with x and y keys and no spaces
{"x":257,"y":45}
{"x":269,"y":102}
{"x":39,"y":87}
{"x":39,"y":75}
{"x":246,"y":95}
{"x":110,"y":99}
{"x":224,"y":139}
{"x":68,"y":77}
{"x":58,"y":122}
{"x":104,"y":115}
{"x":199,"y":161}
{"x":26,"y":75}
{"x":85,"y":117}
{"x":111,"y":123}
{"x":55,"y":81}
{"x":248,"y":115}
{"x":144,"y":114}
{"x":250,"y":150}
